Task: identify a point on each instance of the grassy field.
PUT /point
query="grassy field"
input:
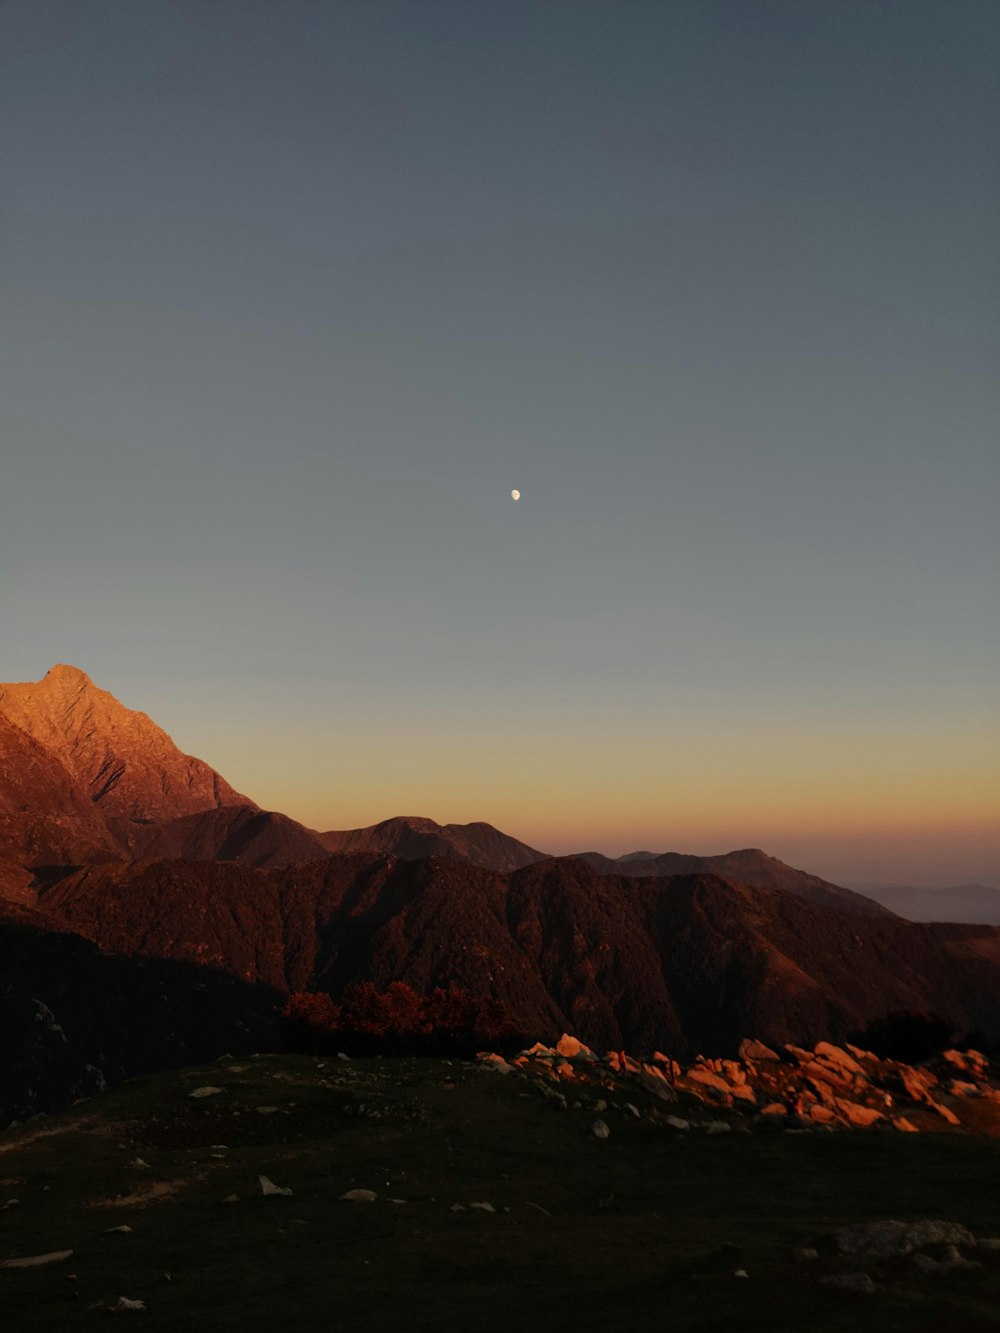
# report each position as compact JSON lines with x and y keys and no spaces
{"x":619,"y":1234}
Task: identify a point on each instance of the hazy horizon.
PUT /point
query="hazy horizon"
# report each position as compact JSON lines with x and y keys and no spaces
{"x":295,"y":294}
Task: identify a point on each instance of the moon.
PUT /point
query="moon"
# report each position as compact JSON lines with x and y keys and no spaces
{"x":515,"y":495}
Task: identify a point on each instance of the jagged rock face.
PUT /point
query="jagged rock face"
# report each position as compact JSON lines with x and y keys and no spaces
{"x":123,"y":762}
{"x":45,"y":816}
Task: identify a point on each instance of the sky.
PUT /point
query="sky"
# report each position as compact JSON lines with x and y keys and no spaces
{"x":295,"y":293}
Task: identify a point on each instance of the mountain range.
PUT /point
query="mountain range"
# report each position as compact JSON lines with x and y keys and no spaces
{"x":85,"y":780}
{"x":114,"y":842}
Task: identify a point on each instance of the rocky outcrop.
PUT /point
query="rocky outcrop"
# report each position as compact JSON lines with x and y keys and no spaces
{"x":826,"y":1088}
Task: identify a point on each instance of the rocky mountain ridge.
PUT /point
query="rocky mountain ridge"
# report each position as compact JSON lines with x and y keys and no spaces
{"x":80,"y":773}
{"x":85,"y":780}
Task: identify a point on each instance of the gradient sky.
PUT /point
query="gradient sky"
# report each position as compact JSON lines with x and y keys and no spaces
{"x":294,"y":294}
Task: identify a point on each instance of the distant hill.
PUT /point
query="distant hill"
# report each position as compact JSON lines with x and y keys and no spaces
{"x":750,"y":866}
{"x":412,"y":838}
{"x":977,"y":903}
{"x":688,"y":963}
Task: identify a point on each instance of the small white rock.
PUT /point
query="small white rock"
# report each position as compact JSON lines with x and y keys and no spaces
{"x":203,"y":1092}
{"x":37,"y":1260}
{"x":125,"y":1304}
{"x":360,"y":1196}
{"x":600,"y":1130}
{"x":110,"y":1230}
{"x":483,"y":1207}
{"x":267,"y":1186}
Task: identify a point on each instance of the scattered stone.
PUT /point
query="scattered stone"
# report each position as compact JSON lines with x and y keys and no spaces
{"x":139,"y":1164}
{"x":905,"y":1126}
{"x":202,"y":1092}
{"x":888,"y":1238}
{"x":805,"y":1254}
{"x":718,"y":1127}
{"x":359,"y":1196}
{"x":573,"y":1049}
{"x":756,"y":1050}
{"x":497,"y":1063}
{"x":675,"y":1122}
{"x":125,"y":1306}
{"x":600,"y":1130}
{"x":856,"y":1114}
{"x":268,"y":1187}
{"x":457,"y":1208}
{"x":483,"y":1207}
{"x":266,"y":1110}
{"x":837,"y":1056}
{"x":231,"y":1198}
{"x":950,"y":1262}
{"x":740,"y":1272}
{"x":859,"y":1283}
{"x":37,"y":1260}
{"x":726,"y":1258}
{"x":108,"y":1231}
{"x":709,"y":1080}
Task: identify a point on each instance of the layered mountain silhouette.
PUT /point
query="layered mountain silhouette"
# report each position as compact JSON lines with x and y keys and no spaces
{"x":85,"y":780}
{"x":140,"y":894}
{"x":750,"y":866}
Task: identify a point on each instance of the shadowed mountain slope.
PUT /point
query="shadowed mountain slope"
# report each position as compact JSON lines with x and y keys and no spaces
{"x":686,"y":963}
{"x":73,"y":1019}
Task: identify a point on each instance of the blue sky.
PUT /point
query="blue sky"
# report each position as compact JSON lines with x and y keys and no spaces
{"x":295,"y":293}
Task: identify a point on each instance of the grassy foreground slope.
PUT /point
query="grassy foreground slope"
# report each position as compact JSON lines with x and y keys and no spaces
{"x":612,"y":1234}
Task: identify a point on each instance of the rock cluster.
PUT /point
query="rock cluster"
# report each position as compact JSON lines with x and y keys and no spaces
{"x":828,"y":1087}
